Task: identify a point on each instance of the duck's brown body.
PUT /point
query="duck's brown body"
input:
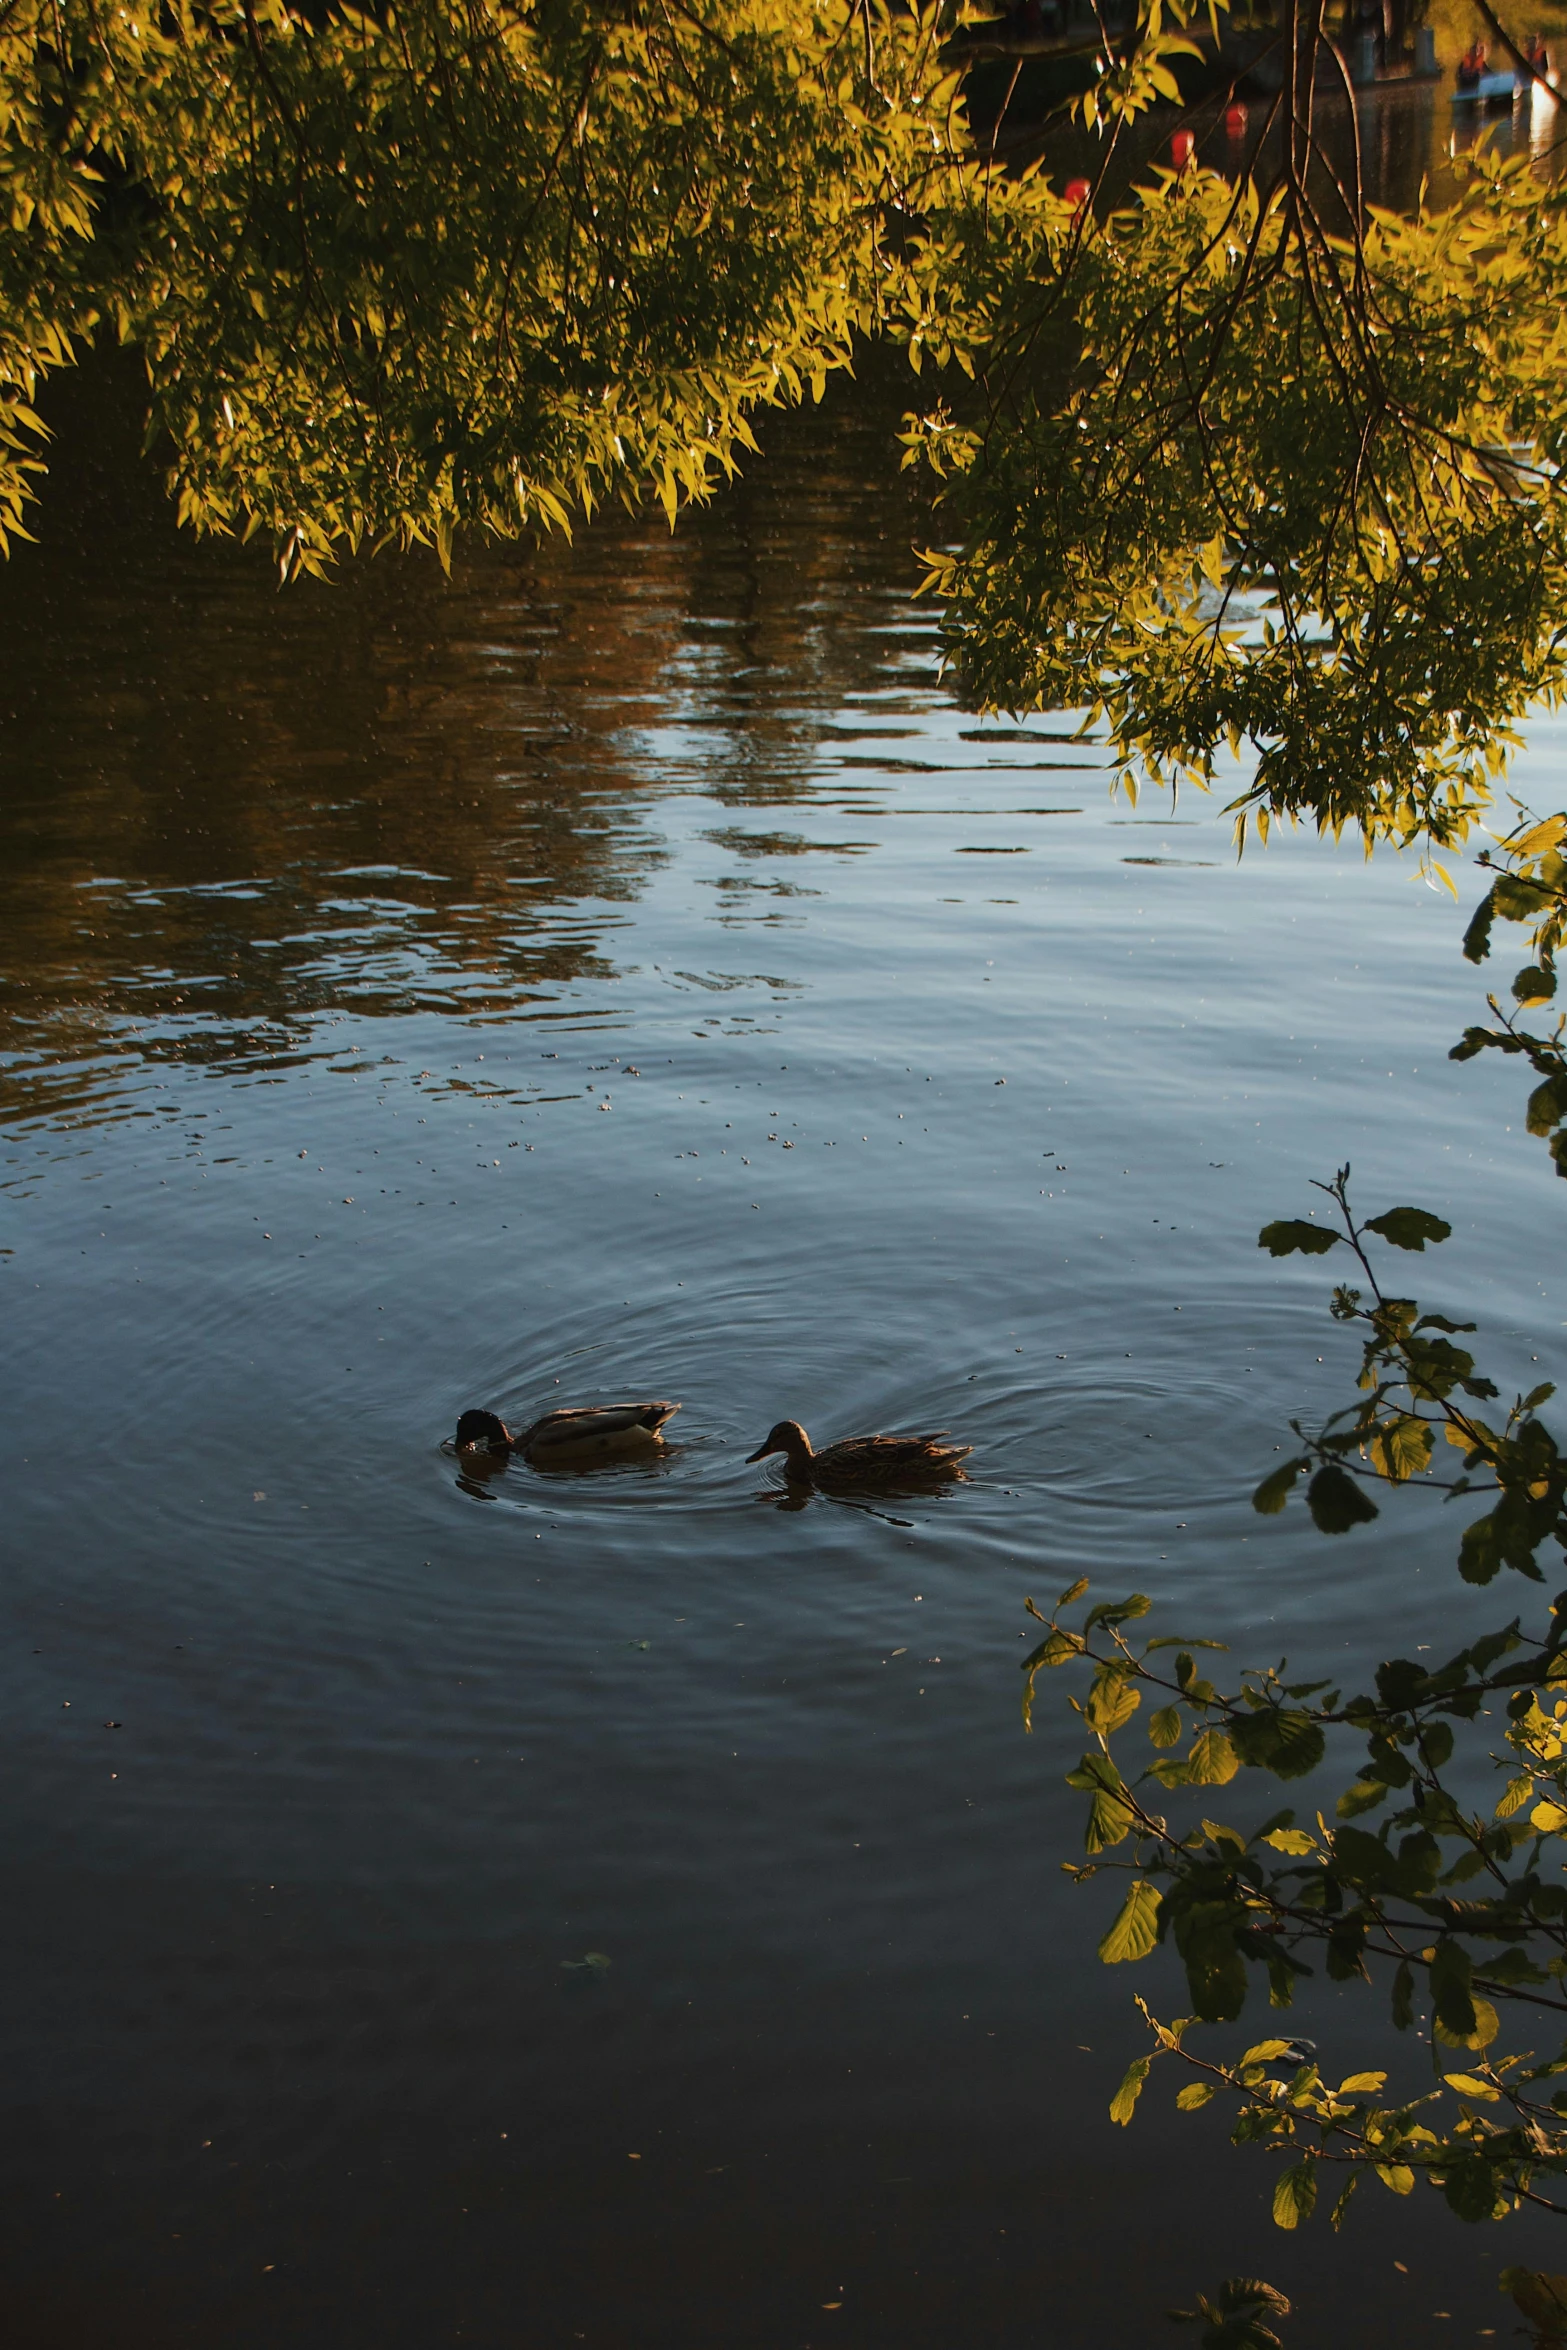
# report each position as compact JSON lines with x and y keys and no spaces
{"x":571,"y":1438}
{"x":865,"y":1460}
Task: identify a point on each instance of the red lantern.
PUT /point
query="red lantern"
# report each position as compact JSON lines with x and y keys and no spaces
{"x":1235,"y":121}
{"x":1077,"y":193}
{"x":1181,"y":148}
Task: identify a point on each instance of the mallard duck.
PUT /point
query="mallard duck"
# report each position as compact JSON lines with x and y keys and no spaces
{"x":572,"y":1438}
{"x":864,"y":1460}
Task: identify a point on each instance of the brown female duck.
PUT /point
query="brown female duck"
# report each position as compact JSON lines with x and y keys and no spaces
{"x":865,"y":1460}
{"x":569,"y":1439}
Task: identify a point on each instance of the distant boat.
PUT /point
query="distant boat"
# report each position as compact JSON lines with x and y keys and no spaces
{"x":1489,"y":88}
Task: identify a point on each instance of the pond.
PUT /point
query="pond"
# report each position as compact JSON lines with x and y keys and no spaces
{"x":622,"y":971}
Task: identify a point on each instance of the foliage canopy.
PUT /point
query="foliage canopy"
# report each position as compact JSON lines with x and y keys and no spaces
{"x":1226,"y":465}
{"x":399,"y":269}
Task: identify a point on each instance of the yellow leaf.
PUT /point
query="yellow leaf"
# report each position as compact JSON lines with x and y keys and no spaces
{"x":1468,"y":2086}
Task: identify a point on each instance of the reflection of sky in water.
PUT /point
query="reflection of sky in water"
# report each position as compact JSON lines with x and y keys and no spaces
{"x":625,"y":972}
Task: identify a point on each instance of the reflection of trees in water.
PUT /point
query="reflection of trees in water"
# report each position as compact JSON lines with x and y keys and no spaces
{"x":228,"y":809}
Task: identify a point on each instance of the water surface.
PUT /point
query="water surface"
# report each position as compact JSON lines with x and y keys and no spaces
{"x":625,"y":971}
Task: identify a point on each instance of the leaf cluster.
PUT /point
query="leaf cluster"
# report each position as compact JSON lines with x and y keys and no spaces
{"x":452,"y":261}
{"x":1461,"y":1911}
{"x":1531,"y":888}
{"x":1415,"y":1387}
{"x":1261,"y":464}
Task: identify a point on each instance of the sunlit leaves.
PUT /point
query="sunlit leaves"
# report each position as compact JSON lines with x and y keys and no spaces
{"x":1237,"y":2317}
{"x":1212,"y":1761}
{"x":1532,"y":889}
{"x":1207,"y":367}
{"x":1136,"y":1930}
{"x":1295,"y":2195}
{"x":397,"y":272}
{"x":1110,"y":1815}
{"x":1400,"y":1448}
{"x":1267,"y":1904}
{"x":1516,"y":1795}
{"x":1124,"y":2103}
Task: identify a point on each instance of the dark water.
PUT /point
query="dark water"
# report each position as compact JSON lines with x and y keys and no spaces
{"x":624,"y":971}
{"x":1400,"y":136}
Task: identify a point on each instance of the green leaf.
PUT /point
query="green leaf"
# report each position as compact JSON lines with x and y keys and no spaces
{"x":1211,"y":1761}
{"x":1477,"y":938}
{"x":1292,"y":1236}
{"x":1487,"y":2025}
{"x":1111,"y":1702}
{"x":1401,"y":1448}
{"x":1136,"y":1930}
{"x":1291,"y":1840}
{"x":1468,"y":2086}
{"x":1547,"y":1105}
{"x":1450,"y":1993}
{"x":1470,"y":2186}
{"x":1295,"y":2195}
{"x":1403,"y":1997}
{"x":1409,"y":1227}
{"x":1540,"y":2297}
{"x":1164,"y":1727}
{"x":1336,"y":1502}
{"x":1480,"y":1550}
{"x":1397,"y":2176}
{"x":1364,"y":1860}
{"x":1109,"y":1814}
{"x":1265,"y":2052}
{"x":1195,"y":2095}
{"x":1365,"y":1795}
{"x":1274,"y":1491}
{"x":1058,"y":1648}
{"x":1534,"y":984}
{"x":1124,"y":2103}
{"x":1282,"y":1740}
{"x":1338,"y":2214}
{"x":1215,"y":1970}
{"x":1111,"y":1612}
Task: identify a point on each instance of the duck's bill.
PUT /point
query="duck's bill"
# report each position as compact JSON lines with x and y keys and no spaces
{"x":760,"y":1454}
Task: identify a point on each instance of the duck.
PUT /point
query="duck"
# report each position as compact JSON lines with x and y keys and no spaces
{"x":573,"y":1438}
{"x":865,"y":1460}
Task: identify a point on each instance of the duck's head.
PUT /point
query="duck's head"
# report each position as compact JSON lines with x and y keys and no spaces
{"x":785,"y":1436}
{"x":483,"y":1432}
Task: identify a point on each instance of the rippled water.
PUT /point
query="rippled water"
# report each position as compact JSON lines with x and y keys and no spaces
{"x":624,"y":971}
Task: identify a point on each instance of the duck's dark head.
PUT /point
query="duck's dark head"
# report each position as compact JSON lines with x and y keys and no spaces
{"x":785,"y":1436}
{"x":483,"y":1432}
